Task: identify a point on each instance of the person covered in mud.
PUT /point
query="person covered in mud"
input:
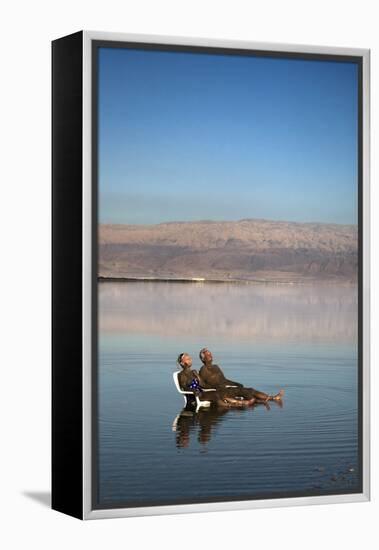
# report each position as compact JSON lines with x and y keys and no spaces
{"x":191,"y":380}
{"x":213,"y":377}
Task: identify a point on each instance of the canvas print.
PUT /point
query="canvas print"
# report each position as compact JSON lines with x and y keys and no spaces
{"x":228,"y":275}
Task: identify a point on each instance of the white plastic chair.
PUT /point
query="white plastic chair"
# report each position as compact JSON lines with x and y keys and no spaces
{"x":189,"y":395}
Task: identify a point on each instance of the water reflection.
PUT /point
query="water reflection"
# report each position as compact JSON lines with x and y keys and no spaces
{"x":202,"y":425}
{"x":300,"y":338}
{"x":274,"y":313}
{"x":199,"y":424}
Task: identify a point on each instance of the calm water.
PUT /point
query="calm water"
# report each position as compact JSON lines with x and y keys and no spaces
{"x":300,"y":338}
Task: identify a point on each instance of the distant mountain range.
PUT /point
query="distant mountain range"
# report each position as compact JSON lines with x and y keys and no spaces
{"x":230,"y":250}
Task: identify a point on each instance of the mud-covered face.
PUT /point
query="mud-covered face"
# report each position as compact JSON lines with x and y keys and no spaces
{"x":207,"y":356}
{"x":186,"y":361}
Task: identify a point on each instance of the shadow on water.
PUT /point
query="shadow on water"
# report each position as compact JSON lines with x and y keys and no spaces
{"x":203,"y":424}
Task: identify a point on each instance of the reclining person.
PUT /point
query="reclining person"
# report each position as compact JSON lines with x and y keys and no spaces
{"x":190,"y":380}
{"x":213,"y":377}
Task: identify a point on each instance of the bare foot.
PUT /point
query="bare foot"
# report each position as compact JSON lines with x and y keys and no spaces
{"x":278,"y":396}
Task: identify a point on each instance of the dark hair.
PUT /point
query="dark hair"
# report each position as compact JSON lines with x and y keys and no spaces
{"x":180,"y":357}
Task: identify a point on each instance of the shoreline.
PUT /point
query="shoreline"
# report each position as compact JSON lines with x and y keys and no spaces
{"x":202,"y":280}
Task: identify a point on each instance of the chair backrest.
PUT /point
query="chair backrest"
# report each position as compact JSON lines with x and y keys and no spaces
{"x":175,"y":376}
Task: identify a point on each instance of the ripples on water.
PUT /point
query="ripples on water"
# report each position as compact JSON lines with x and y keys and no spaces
{"x":302,"y":339}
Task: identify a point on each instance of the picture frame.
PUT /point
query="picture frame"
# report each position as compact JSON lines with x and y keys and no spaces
{"x":77,"y":201}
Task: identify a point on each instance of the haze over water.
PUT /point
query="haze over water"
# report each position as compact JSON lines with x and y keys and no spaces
{"x":300,"y":338}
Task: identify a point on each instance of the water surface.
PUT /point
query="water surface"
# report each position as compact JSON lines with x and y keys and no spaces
{"x":301,"y":338}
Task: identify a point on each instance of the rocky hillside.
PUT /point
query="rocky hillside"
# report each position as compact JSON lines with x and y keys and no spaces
{"x":245,"y":249}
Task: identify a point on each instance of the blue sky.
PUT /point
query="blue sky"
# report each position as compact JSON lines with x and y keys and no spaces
{"x":185,"y":136}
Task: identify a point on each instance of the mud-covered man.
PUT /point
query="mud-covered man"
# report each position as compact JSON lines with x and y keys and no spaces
{"x":213,"y":377}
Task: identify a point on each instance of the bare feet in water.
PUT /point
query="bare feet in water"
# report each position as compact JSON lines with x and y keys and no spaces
{"x":278,"y":396}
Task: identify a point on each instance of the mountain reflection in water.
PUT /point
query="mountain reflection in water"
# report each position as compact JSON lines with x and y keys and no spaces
{"x":325,"y":313}
{"x":300,"y":338}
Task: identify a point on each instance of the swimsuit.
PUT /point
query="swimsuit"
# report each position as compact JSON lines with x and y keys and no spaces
{"x":195,"y":386}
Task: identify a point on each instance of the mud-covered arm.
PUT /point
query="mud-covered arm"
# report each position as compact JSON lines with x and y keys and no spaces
{"x":196,"y":375}
{"x":226,"y":381}
{"x":232,"y":383}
